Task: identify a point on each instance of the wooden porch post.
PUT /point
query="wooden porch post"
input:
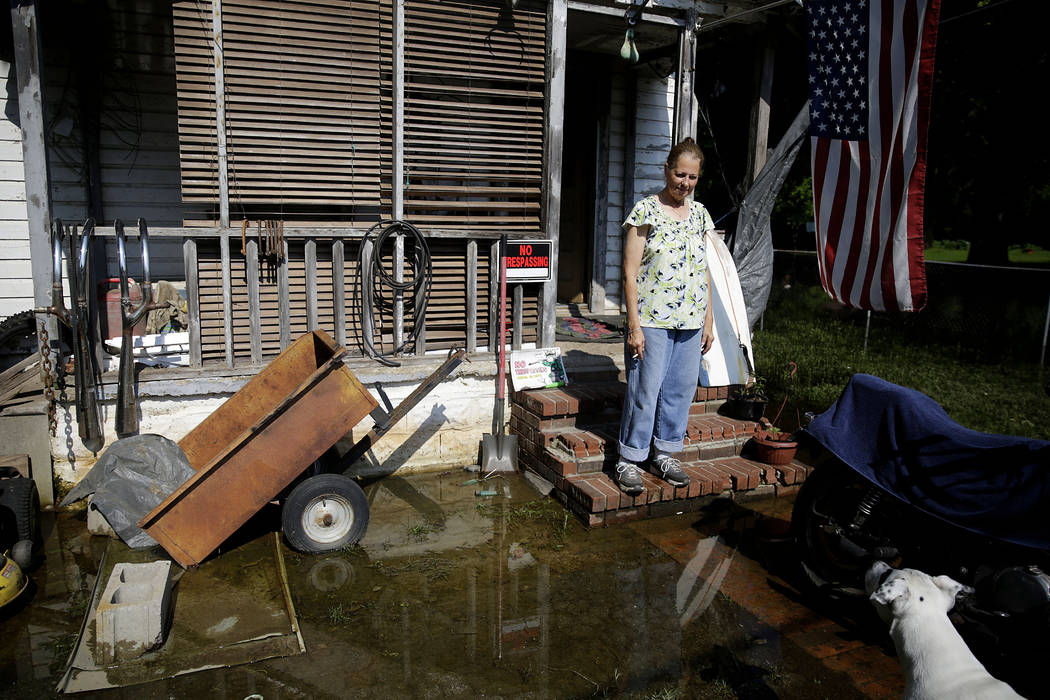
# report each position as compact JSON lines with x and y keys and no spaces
{"x":758,"y":139}
{"x":28,"y":68}
{"x":684,"y":99}
{"x":28,"y":65}
{"x":557,"y":17}
{"x":223,"y":174}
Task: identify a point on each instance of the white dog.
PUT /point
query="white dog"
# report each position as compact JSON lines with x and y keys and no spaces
{"x":935,"y":659}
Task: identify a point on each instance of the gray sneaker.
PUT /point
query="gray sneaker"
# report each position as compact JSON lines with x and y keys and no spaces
{"x":628,"y":479}
{"x":670,"y":470}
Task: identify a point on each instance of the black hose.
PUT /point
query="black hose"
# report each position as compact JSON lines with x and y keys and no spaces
{"x":372,"y":278}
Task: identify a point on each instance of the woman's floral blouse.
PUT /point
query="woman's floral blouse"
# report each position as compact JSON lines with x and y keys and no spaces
{"x":672,"y":279}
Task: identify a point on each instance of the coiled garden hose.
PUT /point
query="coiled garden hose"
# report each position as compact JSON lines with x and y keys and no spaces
{"x":373,"y":277}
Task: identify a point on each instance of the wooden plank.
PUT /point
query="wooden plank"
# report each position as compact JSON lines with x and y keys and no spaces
{"x":310,"y":252}
{"x":684,"y":120}
{"x":338,"y":291}
{"x":28,"y":63}
{"x":493,"y":296}
{"x":397,"y":183}
{"x":227,"y":296}
{"x":471,"y":299}
{"x":758,"y":134}
{"x":193,"y":301}
{"x":517,"y":317}
{"x":557,"y":16}
{"x":252,"y":265}
{"x":220,"y":112}
{"x":596,"y":297}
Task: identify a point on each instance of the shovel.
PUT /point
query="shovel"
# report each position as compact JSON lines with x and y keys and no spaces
{"x":499,"y":452}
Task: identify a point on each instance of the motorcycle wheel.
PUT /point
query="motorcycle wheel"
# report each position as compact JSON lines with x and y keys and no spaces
{"x":827,"y":502}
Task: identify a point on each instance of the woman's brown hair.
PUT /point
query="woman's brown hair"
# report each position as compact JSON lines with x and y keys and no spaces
{"x":686,"y":145}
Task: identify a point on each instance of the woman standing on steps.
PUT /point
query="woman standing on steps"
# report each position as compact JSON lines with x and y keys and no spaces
{"x":666,"y":286}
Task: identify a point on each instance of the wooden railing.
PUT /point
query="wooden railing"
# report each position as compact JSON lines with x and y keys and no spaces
{"x":244,"y":309}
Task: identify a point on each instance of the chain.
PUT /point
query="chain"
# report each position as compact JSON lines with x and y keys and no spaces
{"x":47,"y":375}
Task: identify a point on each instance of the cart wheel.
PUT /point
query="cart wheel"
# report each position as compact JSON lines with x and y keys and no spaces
{"x":324,"y":513}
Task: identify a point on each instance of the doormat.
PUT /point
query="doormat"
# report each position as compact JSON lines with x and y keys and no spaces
{"x":589,"y":330}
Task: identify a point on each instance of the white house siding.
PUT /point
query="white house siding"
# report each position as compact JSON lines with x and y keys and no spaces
{"x":654,"y":112}
{"x":138,"y":143}
{"x":16,"y":279}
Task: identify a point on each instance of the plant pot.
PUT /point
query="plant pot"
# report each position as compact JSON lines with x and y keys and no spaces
{"x":745,"y":409}
{"x":775,"y":452}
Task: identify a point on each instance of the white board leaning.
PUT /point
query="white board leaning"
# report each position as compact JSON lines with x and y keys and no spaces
{"x":725,"y":362}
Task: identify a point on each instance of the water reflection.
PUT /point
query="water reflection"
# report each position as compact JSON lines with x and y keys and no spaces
{"x":453,"y":595}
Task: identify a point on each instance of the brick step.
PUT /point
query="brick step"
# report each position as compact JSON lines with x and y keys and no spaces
{"x":566,"y":403}
{"x":596,"y":499}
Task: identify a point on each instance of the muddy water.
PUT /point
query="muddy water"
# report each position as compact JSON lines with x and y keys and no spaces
{"x":452,"y":594}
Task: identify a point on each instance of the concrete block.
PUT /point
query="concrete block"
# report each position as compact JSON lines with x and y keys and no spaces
{"x":132,"y":614}
{"x":97,"y":523}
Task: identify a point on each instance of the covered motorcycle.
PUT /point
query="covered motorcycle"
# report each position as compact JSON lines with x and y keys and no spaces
{"x":901,"y":482}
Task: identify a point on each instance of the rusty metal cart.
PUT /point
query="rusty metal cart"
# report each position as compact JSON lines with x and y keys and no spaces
{"x":268,"y":435}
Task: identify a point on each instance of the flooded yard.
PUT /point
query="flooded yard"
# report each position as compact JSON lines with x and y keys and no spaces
{"x":452,"y":594}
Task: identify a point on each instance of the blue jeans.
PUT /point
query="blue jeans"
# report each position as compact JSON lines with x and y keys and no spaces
{"x":660,"y":389}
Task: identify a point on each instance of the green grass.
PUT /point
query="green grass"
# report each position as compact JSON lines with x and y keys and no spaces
{"x":957,"y":251}
{"x":1028,"y":255}
{"x":1007,"y":397}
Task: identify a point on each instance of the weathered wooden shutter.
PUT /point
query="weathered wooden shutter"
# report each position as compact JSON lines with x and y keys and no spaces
{"x":304,"y":84}
{"x":195,"y":85}
{"x":474,"y":81}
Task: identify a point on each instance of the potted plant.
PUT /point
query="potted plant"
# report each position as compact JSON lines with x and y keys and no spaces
{"x":748,"y":402}
{"x":773,"y":445}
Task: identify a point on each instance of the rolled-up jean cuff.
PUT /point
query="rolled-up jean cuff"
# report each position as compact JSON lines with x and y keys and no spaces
{"x":633,"y":454}
{"x":671,"y":447}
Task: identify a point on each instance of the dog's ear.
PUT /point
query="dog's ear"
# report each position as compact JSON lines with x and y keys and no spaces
{"x":950,"y":586}
{"x":892,"y":591}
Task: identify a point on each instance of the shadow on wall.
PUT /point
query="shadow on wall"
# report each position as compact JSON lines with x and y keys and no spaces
{"x":370,"y":469}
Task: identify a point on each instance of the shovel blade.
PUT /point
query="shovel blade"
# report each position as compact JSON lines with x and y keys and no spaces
{"x":498,"y":453}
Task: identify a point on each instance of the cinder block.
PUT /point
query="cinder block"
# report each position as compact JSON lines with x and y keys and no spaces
{"x":97,"y":523}
{"x":132,"y":615}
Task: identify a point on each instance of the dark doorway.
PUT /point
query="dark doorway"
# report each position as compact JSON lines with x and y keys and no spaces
{"x":587,"y":86}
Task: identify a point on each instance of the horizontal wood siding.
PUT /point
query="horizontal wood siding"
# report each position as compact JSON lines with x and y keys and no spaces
{"x":474,"y":83}
{"x":307,"y":92}
{"x":16,"y":277}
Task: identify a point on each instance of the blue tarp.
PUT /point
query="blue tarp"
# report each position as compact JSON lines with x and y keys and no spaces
{"x":903,"y":441}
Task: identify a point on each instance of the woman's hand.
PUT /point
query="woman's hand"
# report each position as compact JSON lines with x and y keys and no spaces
{"x":707,"y":339}
{"x":636,"y":342}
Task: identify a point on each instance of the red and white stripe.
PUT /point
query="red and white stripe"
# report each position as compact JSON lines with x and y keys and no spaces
{"x":868,"y":195}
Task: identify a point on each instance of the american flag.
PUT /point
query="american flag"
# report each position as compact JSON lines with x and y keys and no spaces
{"x":870,"y":73}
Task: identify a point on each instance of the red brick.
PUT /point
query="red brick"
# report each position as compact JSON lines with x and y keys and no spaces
{"x":699,"y":482}
{"x":611,"y":491}
{"x":558,"y":423}
{"x":746,"y":475}
{"x":590,"y":465}
{"x":572,"y":443}
{"x":757,"y":470}
{"x":788,"y":474}
{"x":540,"y":403}
{"x":559,"y":462}
{"x":720,"y":480}
{"x":584,"y":492}
{"x":654,"y":488}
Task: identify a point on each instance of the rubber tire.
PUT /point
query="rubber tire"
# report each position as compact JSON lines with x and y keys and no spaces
{"x":307,"y":532}
{"x":831,"y":490}
{"x":21,"y":504}
{"x":17,"y":338}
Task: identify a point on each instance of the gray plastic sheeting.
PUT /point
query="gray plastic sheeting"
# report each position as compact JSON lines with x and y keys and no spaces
{"x":130,"y":479}
{"x":753,"y":242}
